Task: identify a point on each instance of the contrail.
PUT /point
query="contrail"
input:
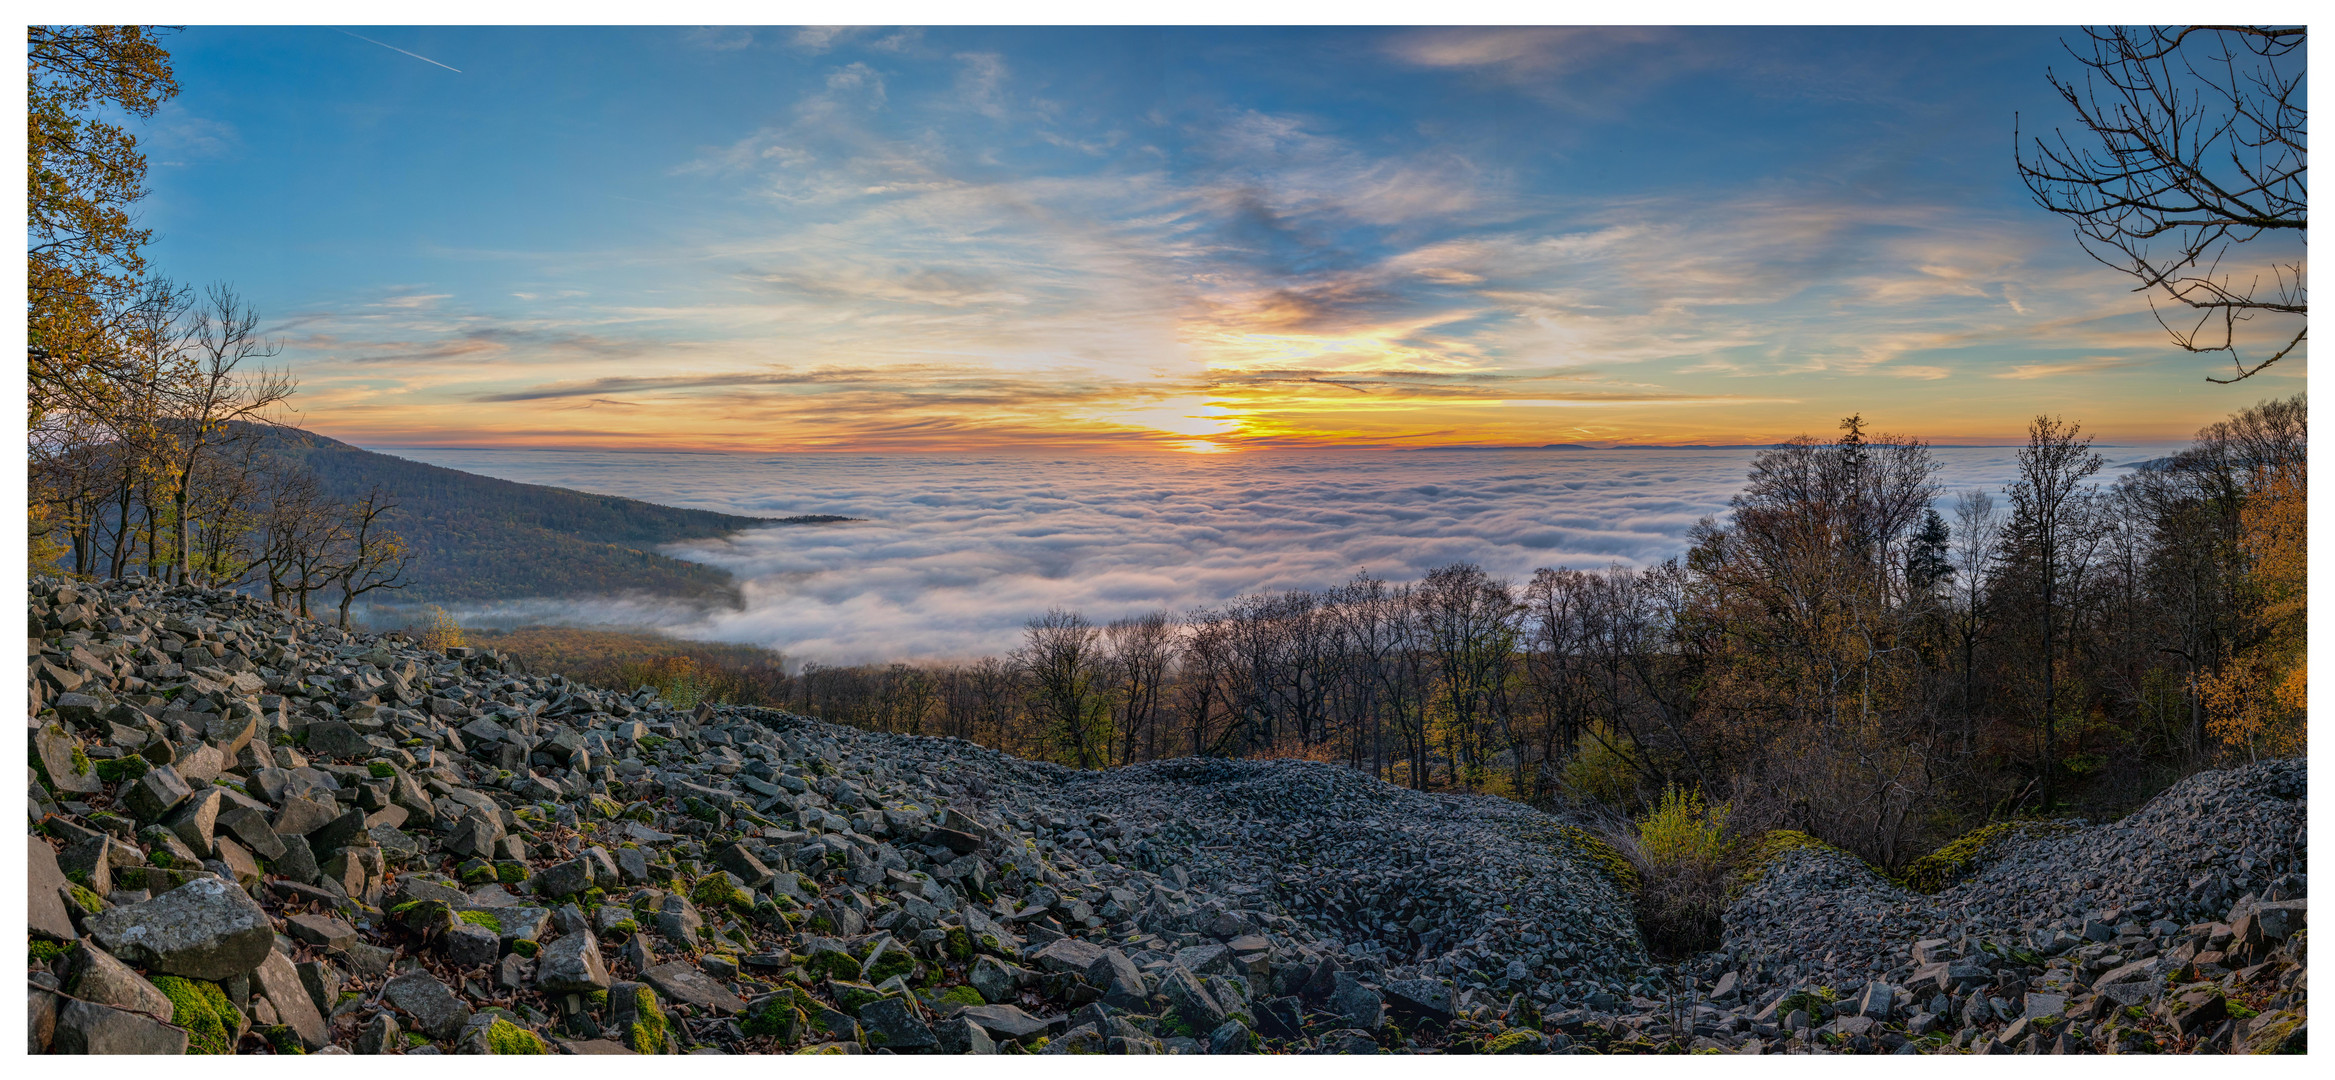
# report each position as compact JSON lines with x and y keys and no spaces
{"x":393,"y":48}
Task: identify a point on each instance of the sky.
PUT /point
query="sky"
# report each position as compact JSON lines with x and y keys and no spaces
{"x":953,"y":553}
{"x":1186,"y":239}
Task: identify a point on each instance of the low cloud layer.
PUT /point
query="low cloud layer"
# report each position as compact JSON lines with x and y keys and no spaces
{"x":958,"y":552}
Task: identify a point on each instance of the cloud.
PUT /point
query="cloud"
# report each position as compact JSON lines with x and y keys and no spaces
{"x":958,"y":551}
{"x":2088,"y":366}
{"x":175,"y":136}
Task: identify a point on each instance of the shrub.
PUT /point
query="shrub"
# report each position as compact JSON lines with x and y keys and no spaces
{"x":1682,"y":852}
{"x":439,"y":633}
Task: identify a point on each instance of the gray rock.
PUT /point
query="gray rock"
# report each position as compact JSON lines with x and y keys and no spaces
{"x":45,"y":893}
{"x":891,"y":1023}
{"x":92,"y":974}
{"x":957,"y":1035}
{"x":1420,"y":997}
{"x":1192,"y":1001}
{"x":1361,"y":1006}
{"x":572,"y":965}
{"x":155,"y":794}
{"x":566,"y":879}
{"x":996,"y":981}
{"x":684,"y":982}
{"x":204,"y":929}
{"x":436,"y":1010}
{"x":289,"y":994}
{"x":86,"y":1027}
{"x":470,"y":946}
{"x":1004,"y":1021}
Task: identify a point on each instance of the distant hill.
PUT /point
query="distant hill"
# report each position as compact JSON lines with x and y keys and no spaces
{"x":476,"y":538}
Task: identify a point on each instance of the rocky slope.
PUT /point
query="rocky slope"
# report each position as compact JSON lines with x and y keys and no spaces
{"x":256,"y":834}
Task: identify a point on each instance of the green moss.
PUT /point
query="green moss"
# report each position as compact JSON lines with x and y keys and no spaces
{"x":1605,"y":856}
{"x":81,"y":764}
{"x":284,"y":1039}
{"x":525,"y":948}
{"x":89,"y":903}
{"x":1970,"y":853}
{"x":1507,"y":1042}
{"x":505,"y":1037}
{"x":832,"y":964}
{"x":381,"y":770}
{"x":45,"y":951}
{"x":1774,"y":846}
{"x":777,"y":1016}
{"x":510,"y":873}
{"x":648,"y":1026}
{"x":479,"y":875}
{"x":892,"y":962}
{"x":958,"y":945}
{"x":203,"y":1010}
{"x":122,"y":769}
{"x":482,"y":918}
{"x":962,"y":995}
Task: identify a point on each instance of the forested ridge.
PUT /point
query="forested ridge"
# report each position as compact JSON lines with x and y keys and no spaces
{"x":477,"y":538}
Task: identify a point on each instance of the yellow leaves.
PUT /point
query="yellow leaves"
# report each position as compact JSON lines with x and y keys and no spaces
{"x":2258,"y":700}
{"x":440,"y":632}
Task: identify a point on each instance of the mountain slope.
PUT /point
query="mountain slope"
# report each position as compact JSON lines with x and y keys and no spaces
{"x":476,"y":538}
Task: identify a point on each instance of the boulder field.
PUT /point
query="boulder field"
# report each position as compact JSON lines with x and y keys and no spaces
{"x":253,"y":833}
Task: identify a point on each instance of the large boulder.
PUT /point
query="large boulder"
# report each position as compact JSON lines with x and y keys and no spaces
{"x":86,"y":1027}
{"x":204,"y":929}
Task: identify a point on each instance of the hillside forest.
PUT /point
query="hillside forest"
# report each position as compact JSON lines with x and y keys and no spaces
{"x":1836,"y":657}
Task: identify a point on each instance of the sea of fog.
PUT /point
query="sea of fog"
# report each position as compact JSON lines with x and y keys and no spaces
{"x":958,"y":551}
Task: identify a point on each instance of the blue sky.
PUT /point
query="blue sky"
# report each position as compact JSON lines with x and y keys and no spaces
{"x":1197,"y":239}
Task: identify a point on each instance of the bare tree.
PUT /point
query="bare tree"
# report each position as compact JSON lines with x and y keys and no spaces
{"x":1140,"y":655}
{"x":376,"y":557}
{"x":1067,"y":699}
{"x":2200,"y":143}
{"x":212,"y":398}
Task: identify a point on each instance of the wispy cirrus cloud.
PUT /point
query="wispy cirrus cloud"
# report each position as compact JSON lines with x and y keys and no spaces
{"x":935,"y":242}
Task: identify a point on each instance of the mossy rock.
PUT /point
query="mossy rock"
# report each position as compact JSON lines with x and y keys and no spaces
{"x":89,"y":902}
{"x":776,"y":1016}
{"x":647,"y":1035}
{"x":891,"y":962}
{"x":123,"y":769}
{"x":1606,"y":857}
{"x":1774,"y":846}
{"x":505,"y":1037}
{"x":525,"y":948}
{"x":833,"y":965}
{"x":210,"y":1020}
{"x":854,"y":996}
{"x":960,"y":995}
{"x":381,"y":770}
{"x":958,"y":945}
{"x":1972,"y":852}
{"x":510,"y":873}
{"x":486,"y":919}
{"x":46,"y":951}
{"x":284,"y":1039}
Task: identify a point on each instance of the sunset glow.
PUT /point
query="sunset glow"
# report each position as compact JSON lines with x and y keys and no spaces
{"x":1186,"y":240}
